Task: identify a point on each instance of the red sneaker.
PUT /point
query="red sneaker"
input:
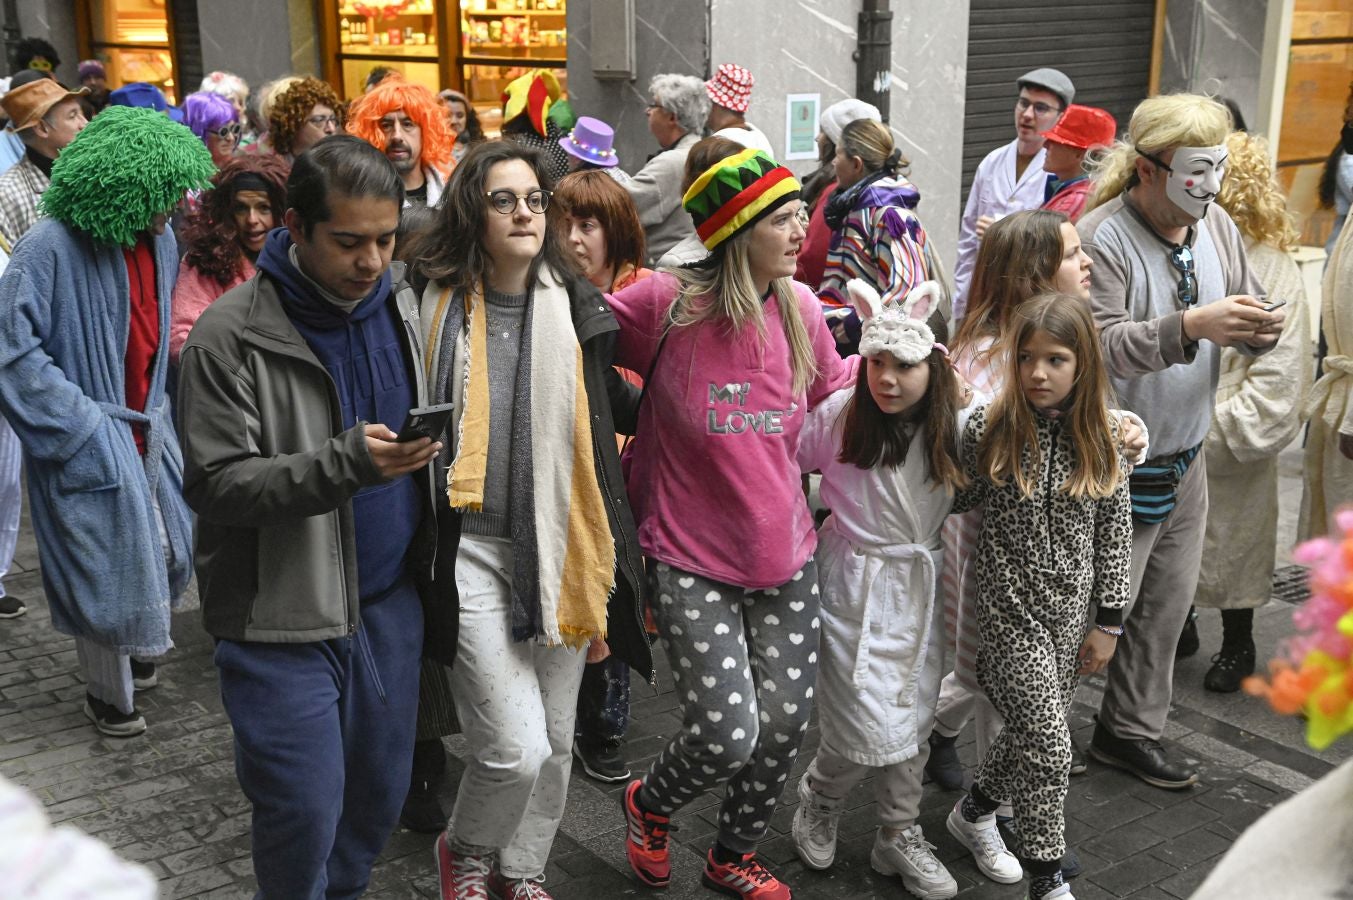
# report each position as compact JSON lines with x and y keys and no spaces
{"x":459,"y":876}
{"x":503,"y":888}
{"x":744,"y":878}
{"x":646,"y":844}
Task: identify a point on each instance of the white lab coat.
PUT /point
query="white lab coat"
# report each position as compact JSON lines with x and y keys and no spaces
{"x":995,"y":192}
{"x":882,"y":629}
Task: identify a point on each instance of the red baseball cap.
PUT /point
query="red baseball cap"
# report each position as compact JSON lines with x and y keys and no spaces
{"x":1083,"y":127}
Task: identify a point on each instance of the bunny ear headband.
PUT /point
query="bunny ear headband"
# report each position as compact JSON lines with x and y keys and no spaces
{"x":899,"y":329}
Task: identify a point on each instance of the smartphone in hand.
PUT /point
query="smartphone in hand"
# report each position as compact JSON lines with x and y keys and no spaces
{"x":426,"y":421}
{"x":1276,"y":305}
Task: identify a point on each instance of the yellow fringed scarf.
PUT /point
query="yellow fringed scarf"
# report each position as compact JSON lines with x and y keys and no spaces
{"x":466,"y":490}
{"x":574,"y":547}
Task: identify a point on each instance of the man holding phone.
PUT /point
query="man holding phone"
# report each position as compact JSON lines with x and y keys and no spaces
{"x":309,"y":509}
{"x":1170,"y":287}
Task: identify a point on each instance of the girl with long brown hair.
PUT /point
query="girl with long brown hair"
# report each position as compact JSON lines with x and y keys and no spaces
{"x":1056,"y":535}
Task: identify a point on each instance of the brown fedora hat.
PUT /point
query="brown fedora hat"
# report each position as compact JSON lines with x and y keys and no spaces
{"x":26,"y":104}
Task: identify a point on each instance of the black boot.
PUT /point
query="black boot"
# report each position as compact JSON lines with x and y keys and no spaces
{"x":1188,"y":638}
{"x":944,"y":767}
{"x":1235,"y":662}
{"x":422,"y":810}
{"x":1230,"y":668}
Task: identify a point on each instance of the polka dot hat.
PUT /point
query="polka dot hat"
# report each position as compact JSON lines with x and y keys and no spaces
{"x":731,"y":87}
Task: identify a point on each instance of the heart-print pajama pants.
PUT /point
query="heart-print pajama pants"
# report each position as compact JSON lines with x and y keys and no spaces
{"x":744,"y":663}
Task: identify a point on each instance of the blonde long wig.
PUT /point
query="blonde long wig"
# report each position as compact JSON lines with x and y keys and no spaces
{"x":1158,"y":124}
{"x":1011,"y":429}
{"x":724,"y":293}
{"x":1251,"y":196}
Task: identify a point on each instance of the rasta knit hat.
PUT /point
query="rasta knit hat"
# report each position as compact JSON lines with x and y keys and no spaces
{"x":735,"y":193}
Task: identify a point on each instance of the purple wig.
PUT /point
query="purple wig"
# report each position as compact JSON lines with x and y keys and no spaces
{"x":204,"y":113}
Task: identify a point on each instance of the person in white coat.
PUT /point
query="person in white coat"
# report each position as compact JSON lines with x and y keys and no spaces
{"x":1011,"y":177}
{"x":1258,"y":413}
{"x":887,"y":449}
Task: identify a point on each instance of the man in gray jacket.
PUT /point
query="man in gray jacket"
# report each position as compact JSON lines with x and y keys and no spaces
{"x":676,"y":114}
{"x":1170,"y":287}
{"x":290,"y":390}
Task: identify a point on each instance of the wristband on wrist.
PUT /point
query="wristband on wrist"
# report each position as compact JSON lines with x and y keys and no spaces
{"x":1111,"y":630}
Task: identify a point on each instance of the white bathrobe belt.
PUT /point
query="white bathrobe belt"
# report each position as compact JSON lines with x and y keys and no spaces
{"x":876,"y":559}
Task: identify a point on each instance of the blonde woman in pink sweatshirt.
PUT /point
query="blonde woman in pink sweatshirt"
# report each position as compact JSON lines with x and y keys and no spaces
{"x":735,"y":352}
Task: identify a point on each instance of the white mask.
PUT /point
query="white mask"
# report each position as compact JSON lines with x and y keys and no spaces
{"x":1195,"y":176}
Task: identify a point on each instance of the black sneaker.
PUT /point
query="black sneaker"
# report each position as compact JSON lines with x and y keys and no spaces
{"x":1230,"y":667}
{"x":143,"y":675}
{"x":11,"y":607}
{"x":944,"y":767}
{"x":601,"y":762}
{"x":1078,"y":766}
{"x":422,"y":810}
{"x":1188,"y":638}
{"x":1144,"y":758}
{"x":111,"y":721}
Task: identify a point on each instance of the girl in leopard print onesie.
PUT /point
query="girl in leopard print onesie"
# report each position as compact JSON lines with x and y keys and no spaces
{"x":1056,"y":535}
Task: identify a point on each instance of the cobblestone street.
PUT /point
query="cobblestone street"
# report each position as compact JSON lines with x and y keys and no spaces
{"x":169,"y":799}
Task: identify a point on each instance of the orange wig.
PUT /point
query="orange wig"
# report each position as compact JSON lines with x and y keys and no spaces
{"x":394,"y":93}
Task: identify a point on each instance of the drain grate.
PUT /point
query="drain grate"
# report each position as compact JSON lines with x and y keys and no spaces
{"x":1289,"y":585}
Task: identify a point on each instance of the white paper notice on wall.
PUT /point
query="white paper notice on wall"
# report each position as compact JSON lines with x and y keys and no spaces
{"x":801,"y":126}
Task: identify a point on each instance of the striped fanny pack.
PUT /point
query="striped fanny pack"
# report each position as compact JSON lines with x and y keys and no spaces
{"x":1154,"y":483}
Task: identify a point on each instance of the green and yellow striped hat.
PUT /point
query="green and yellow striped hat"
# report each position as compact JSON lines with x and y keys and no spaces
{"x":735,"y":193}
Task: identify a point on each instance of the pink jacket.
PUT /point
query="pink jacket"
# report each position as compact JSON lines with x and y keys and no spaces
{"x":194,"y":292}
{"x":714,"y":480}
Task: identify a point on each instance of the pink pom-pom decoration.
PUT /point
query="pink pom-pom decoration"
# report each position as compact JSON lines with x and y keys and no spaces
{"x":1314,"y":675}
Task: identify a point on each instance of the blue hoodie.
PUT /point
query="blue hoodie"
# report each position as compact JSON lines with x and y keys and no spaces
{"x":365,"y":355}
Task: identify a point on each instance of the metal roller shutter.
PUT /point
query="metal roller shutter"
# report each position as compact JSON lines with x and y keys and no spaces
{"x":1104,"y":46}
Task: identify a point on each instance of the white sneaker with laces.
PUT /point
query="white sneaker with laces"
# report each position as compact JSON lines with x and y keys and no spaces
{"x":984,"y":842}
{"x":814,"y":826}
{"x":1061,"y":892}
{"x":912,"y":857}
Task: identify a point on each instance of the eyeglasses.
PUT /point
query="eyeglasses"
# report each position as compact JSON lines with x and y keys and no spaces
{"x":228,"y":132}
{"x":1181,"y":258}
{"x":505,"y":201}
{"x":653,"y":106}
{"x":321,"y":121}
{"x":1039,"y":107}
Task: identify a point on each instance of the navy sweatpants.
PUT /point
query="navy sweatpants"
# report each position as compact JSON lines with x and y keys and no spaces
{"x":323,"y":745}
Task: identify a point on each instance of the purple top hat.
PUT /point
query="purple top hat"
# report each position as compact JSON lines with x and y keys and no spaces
{"x":591,"y":140}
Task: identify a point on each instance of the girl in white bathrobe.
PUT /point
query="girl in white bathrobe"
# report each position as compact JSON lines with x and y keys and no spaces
{"x":887,"y":449}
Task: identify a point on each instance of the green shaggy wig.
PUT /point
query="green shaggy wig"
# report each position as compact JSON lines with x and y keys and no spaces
{"x":126,"y":166}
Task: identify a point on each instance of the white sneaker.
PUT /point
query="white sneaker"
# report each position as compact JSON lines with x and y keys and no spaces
{"x":815,"y":824}
{"x":910,"y":856}
{"x":984,"y":842}
{"x":1061,"y":892}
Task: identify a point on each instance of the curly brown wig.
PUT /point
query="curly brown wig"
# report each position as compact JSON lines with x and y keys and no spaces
{"x":210,"y":233}
{"x":292,"y":107}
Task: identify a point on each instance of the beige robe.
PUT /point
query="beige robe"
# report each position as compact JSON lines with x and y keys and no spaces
{"x":1258,"y":413}
{"x":1329,"y":474}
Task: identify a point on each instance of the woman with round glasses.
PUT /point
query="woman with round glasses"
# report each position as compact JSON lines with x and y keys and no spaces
{"x":304,"y":113}
{"x":538,"y":552}
{"x":216,"y":122}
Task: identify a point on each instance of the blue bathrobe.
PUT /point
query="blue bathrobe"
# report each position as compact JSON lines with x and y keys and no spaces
{"x":64,"y":318}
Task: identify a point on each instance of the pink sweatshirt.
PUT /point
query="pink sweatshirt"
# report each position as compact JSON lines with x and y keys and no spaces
{"x":714,"y":481}
{"x":194,"y":292}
